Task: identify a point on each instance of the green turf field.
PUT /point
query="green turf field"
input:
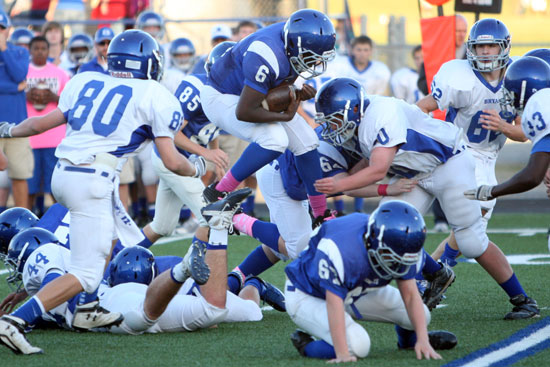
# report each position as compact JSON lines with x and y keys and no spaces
{"x":474,"y":310}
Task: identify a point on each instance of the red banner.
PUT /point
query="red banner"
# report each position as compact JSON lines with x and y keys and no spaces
{"x":438,"y":47}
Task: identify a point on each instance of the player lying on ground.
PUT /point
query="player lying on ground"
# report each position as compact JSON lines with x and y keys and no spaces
{"x":345,"y":273}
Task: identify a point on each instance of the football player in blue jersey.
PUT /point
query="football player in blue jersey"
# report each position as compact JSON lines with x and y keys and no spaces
{"x":286,"y":197}
{"x":240,"y":80}
{"x":345,"y":273}
{"x":401,"y":140}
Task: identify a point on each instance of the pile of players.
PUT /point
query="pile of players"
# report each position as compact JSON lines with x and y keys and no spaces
{"x":341,"y":269}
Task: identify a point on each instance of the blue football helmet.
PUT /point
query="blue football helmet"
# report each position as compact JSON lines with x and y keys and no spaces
{"x":182,"y":51}
{"x":216,"y":53}
{"x":394,"y":239}
{"x":21,"y":37}
{"x":488,"y":31}
{"x":134,"y":54}
{"x":13,"y":221}
{"x":4,"y":19}
{"x":80,"y":48}
{"x":309,"y":42}
{"x":541,"y":53}
{"x":133,"y":265}
{"x":19,"y":250}
{"x":340,"y":104}
{"x":523,"y":78}
{"x":149,"y":18}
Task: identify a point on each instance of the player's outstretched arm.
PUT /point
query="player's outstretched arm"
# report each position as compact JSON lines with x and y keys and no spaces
{"x":380,"y":162}
{"x":526,"y":179}
{"x":415,"y":310}
{"x":427,"y":104}
{"x":337,"y":325}
{"x":176,"y":162}
{"x":249,"y":108}
{"x":216,"y":156}
{"x":33,"y":125}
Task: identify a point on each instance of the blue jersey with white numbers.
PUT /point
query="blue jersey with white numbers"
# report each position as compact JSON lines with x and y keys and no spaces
{"x":258,"y":61}
{"x":336,"y":260}
{"x":334,"y":160}
{"x":56,"y":220}
{"x":198,"y":129}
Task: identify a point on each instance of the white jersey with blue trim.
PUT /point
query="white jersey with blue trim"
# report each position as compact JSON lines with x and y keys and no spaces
{"x":336,"y":260}
{"x":374,"y":78}
{"x":403,"y":83}
{"x":464,"y":93}
{"x":424,"y":143}
{"x":47,"y":258}
{"x":114,"y":115}
{"x":535,"y":120}
{"x":258,"y":61}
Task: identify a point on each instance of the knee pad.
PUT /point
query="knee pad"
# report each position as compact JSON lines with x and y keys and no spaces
{"x":87,"y":278}
{"x":215,"y":314}
{"x":165,"y":228}
{"x":358,"y":340}
{"x":148,"y":175}
{"x":472,"y":241}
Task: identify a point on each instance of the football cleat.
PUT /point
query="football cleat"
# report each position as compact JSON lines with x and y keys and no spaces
{"x":439,"y":282}
{"x":219,"y":215}
{"x":272,"y":295}
{"x":12,"y":335}
{"x":194,"y":262}
{"x":300,"y":340}
{"x":92,"y":316}
{"x":524,"y":308}
{"x":442,"y":339}
{"x":327,"y":215}
{"x":211,"y":195}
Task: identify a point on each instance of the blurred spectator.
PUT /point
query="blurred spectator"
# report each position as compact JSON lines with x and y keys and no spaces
{"x":14,"y":64}
{"x":102,"y":39}
{"x":404,"y":81}
{"x":218,"y":34}
{"x":182,"y":59}
{"x":373,"y":75}
{"x":110,"y":10}
{"x":38,"y":11}
{"x":80,"y":50}
{"x":45,"y":81}
{"x":461,"y":28}
{"x":53,"y":31}
{"x":68,"y":10}
{"x":21,"y":37}
{"x":243,"y":29}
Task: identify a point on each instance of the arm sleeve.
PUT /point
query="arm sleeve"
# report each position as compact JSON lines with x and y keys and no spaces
{"x":17,"y":63}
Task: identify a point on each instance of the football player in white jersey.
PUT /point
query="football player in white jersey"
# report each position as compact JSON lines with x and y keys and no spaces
{"x":470,"y":91}
{"x":400,"y":140}
{"x":109,"y":118}
{"x":527,"y":90}
{"x":403,"y":81}
{"x":373,"y":75}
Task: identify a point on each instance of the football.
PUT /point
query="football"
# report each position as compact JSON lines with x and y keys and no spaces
{"x":278,"y":98}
